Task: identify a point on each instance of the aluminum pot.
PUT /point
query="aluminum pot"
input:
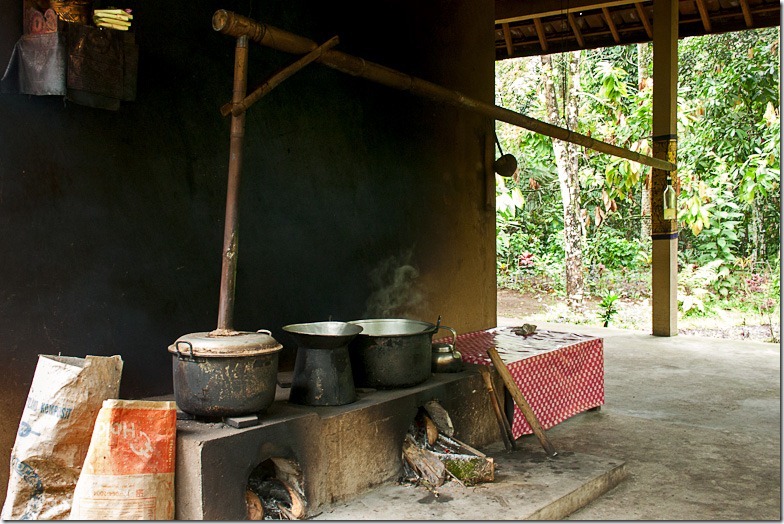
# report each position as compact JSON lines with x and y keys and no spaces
{"x":391,"y":353}
{"x":225,"y":375}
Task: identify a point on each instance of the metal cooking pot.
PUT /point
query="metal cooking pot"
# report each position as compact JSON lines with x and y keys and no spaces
{"x":322,"y":370}
{"x":225,"y":375}
{"x":392,"y":352}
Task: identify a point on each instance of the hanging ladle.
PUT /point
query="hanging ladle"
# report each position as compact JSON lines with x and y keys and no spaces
{"x":506,"y":164}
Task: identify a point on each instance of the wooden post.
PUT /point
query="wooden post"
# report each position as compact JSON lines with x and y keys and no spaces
{"x":503,"y":424}
{"x":664,"y":233}
{"x":519,"y":399}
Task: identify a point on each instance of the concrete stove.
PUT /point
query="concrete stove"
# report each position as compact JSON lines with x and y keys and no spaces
{"x":330,"y":454}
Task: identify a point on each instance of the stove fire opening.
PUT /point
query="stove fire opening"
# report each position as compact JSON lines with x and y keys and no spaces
{"x":274,"y":491}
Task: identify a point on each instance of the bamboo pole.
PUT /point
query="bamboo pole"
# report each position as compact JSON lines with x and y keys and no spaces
{"x":276,"y":79}
{"x":230,"y":231}
{"x":519,"y":399}
{"x":233,"y":24}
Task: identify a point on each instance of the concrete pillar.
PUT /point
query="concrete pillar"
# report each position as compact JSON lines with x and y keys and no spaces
{"x":664,"y":233}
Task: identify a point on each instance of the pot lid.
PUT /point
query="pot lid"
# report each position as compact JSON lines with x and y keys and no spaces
{"x":442,"y":348}
{"x":233,"y":344}
{"x":393,"y":327}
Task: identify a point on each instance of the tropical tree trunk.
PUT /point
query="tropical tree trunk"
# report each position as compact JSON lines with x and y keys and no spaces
{"x":756,"y":237}
{"x":566,"y":158}
{"x":644,"y":57}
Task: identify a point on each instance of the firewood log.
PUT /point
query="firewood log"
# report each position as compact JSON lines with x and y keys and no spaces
{"x":441,"y":418}
{"x":425,"y":464}
{"x":431,"y":430}
{"x":470,"y":469}
{"x":463,"y":462}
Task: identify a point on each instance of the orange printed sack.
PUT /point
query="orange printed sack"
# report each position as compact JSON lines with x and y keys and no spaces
{"x":129,"y":470}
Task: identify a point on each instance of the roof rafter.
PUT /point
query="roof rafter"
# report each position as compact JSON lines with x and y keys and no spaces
{"x":540,"y":33}
{"x":576,"y":29}
{"x":706,"y":23}
{"x":644,"y":19}
{"x":747,"y":17}
{"x":614,"y":30}
{"x":508,"y":39}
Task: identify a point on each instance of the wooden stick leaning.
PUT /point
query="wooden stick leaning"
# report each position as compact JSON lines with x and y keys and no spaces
{"x":519,"y":399}
{"x":503,"y":423}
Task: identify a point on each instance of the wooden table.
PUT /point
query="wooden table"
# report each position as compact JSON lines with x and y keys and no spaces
{"x":560,"y":374}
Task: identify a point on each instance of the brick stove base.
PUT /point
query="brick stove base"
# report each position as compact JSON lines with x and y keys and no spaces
{"x":340,"y":452}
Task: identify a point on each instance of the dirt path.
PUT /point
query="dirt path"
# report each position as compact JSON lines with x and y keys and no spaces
{"x":636,"y":315}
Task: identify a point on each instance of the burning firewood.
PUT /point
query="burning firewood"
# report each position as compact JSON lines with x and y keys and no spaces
{"x":278,"y":499}
{"x":255,"y":511}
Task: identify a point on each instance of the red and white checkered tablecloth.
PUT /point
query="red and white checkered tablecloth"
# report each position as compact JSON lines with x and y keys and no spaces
{"x":559,"y":374}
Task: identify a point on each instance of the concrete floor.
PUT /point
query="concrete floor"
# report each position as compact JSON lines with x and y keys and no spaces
{"x":696,"y":423}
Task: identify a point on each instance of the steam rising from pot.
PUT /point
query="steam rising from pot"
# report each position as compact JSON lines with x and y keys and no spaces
{"x":396,"y":294}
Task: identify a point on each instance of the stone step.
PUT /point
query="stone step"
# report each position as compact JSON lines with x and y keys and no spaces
{"x":528,"y":486}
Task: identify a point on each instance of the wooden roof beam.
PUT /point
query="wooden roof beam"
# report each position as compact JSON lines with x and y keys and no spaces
{"x":744,"y":5}
{"x":644,"y":19}
{"x":540,"y":33}
{"x":519,"y":10}
{"x":556,"y":40}
{"x":614,"y":30}
{"x":508,"y":39}
{"x":576,"y":29}
{"x":706,"y":23}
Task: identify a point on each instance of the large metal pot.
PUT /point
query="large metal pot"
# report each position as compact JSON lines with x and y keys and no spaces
{"x":391,"y":352}
{"x":225,"y":375}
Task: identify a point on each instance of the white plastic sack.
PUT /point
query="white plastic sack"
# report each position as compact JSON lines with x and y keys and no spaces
{"x":54,"y":433}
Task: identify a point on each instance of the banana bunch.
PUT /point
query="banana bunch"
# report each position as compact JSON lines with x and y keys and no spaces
{"x":113,"y":18}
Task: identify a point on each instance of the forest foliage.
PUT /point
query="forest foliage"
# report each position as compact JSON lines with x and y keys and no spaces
{"x":728,"y":171}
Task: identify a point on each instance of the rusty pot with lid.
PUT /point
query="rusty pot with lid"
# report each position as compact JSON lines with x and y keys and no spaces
{"x":227,"y":374}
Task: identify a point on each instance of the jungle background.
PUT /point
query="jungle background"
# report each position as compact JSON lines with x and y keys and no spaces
{"x":573,"y":226}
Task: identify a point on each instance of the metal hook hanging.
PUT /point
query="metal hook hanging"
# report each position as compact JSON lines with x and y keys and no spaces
{"x":500,"y":150}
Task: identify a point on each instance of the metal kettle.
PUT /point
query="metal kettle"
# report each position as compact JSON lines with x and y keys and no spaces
{"x":445,"y":358}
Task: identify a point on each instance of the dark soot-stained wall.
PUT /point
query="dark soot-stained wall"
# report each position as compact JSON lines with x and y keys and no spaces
{"x":356,"y":201}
